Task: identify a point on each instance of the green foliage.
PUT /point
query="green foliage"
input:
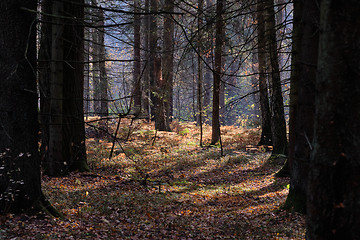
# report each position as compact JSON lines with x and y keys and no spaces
{"x":184,"y":132}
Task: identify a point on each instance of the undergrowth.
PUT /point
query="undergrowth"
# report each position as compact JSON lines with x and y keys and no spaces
{"x":161,"y":185}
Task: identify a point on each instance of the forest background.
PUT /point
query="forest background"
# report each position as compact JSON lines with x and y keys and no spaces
{"x":86,"y":78}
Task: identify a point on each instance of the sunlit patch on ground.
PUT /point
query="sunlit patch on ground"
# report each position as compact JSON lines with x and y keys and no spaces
{"x":165,"y":186}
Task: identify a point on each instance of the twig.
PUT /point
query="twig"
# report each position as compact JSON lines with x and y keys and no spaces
{"x":114,"y":138}
{"x":129,"y":132}
{"x":152,"y":144}
{"x":221,"y":146}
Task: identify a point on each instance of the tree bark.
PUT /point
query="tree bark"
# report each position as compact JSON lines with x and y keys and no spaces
{"x":95,"y":54}
{"x":278,"y":125}
{"x":153,"y":51}
{"x":266,"y":134}
{"x":55,"y":163}
{"x":334,"y":182}
{"x":66,"y":127}
{"x":219,"y":42}
{"x":74,"y":128}
{"x":20,"y":186}
{"x":302,"y":108}
{"x":146,"y":81}
{"x":200,"y":70}
{"x":104,"y":107}
{"x":87,"y":37}
{"x":137,"y":57}
{"x":168,"y":65}
{"x":44,"y":72}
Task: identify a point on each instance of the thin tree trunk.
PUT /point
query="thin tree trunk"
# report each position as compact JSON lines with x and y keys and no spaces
{"x":96,"y":60}
{"x":200,"y":70}
{"x":137,"y":57}
{"x":104,"y":108}
{"x":266,"y":134}
{"x":278,"y":125}
{"x":87,"y":71}
{"x":168,"y":65}
{"x":146,"y":82}
{"x":208,"y":76}
{"x":153,"y":51}
{"x":215,"y":135}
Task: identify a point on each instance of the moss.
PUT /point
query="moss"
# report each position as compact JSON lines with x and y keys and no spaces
{"x":44,"y":206}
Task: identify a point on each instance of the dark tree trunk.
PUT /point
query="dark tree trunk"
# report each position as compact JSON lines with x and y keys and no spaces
{"x":44,"y":73}
{"x":104,"y":108}
{"x":74,"y":128}
{"x":208,"y":76}
{"x":146,"y":56}
{"x":154,"y":59}
{"x":20,"y":187}
{"x":55,"y":163}
{"x":137,"y":57}
{"x":200,"y":71}
{"x":95,"y":54}
{"x":159,"y":107}
{"x":302,"y":108}
{"x":168,"y":65}
{"x":278,"y":125}
{"x":222,"y":102}
{"x":207,"y":91}
{"x":266,"y":134}
{"x":66,"y":127}
{"x":219,"y":42}
{"x":334,"y":180}
{"x":87,"y":37}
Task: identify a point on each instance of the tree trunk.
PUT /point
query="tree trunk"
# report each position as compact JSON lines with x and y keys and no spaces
{"x":219,"y":42}
{"x":153,"y":50}
{"x":66,"y":128}
{"x":137,"y":57}
{"x":302,"y":108}
{"x":200,"y":70}
{"x":104,"y":108}
{"x":168,"y":64}
{"x":266,"y":134}
{"x":87,"y":36}
{"x":20,"y":186}
{"x":95,"y":54}
{"x":334,"y":183}
{"x":155,"y":69}
{"x":146,"y":82}
{"x":278,"y":125}
{"x":55,"y":162}
{"x":44,"y":72}
{"x":73,"y":104}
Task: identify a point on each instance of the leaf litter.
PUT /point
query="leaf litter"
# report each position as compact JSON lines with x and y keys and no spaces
{"x":162,"y":185}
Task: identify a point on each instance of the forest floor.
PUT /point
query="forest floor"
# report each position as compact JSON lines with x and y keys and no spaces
{"x":163,"y":185}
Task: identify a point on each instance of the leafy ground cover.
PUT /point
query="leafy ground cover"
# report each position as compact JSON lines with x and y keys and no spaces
{"x":161,"y":185}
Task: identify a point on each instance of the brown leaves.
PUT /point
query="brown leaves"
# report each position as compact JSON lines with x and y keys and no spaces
{"x":191,"y":193}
